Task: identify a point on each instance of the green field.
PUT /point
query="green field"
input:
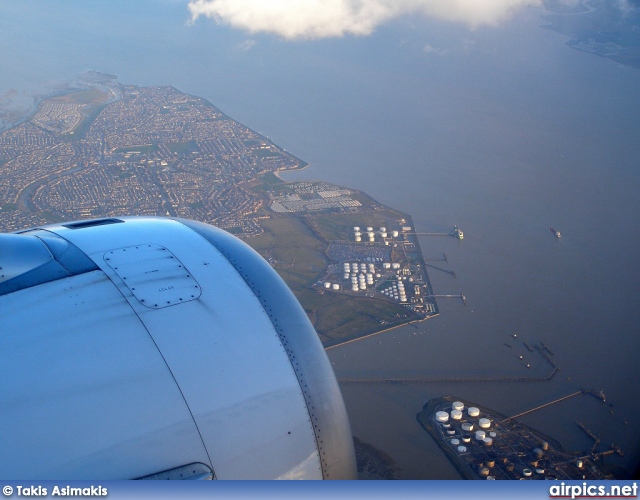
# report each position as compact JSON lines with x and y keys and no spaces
{"x":9,"y":207}
{"x":182,"y":147}
{"x":340,"y":226}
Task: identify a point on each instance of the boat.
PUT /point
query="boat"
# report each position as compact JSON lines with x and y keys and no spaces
{"x":457,"y":232}
{"x":557,"y":233}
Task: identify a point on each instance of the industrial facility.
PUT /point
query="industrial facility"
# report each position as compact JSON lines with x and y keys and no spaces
{"x":483,"y":444}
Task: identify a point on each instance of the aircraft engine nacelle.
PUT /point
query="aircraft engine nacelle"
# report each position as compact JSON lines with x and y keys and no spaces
{"x":147,"y":347}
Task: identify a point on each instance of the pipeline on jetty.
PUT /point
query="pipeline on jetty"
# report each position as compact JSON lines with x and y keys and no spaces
{"x":596,"y":439}
{"x":450,"y":296}
{"x":431,"y":234}
{"x":545,"y":356}
{"x":443,"y":270}
{"x":543,"y":406}
{"x":443,"y":259}
{"x":546,"y":348}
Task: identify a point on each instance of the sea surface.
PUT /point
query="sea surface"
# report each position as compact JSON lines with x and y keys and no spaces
{"x":505,"y":131}
{"x":505,"y":142}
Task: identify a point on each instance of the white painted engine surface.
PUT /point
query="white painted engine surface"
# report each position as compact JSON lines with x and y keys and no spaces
{"x":166,"y":343}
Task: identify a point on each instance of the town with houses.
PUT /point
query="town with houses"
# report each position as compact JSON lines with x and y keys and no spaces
{"x":132,"y":151}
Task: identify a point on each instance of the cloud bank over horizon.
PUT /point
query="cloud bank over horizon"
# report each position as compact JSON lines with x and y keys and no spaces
{"x":309,"y":19}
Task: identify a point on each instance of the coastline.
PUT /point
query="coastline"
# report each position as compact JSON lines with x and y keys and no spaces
{"x":303,"y":166}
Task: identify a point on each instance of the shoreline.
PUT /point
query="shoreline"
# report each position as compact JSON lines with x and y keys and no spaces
{"x":297,"y":169}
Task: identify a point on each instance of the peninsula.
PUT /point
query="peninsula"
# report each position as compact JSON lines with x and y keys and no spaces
{"x":109,"y":149}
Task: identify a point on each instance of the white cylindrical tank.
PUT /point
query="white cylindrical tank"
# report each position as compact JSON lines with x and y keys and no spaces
{"x":462,"y":449}
{"x":455,"y":414}
{"x":357,"y":233}
{"x":355,"y":287}
{"x":467,"y":426}
{"x":492,"y":434}
{"x":484,"y":423}
{"x":369,"y":228}
{"x":455,"y":442}
{"x":358,"y":239}
{"x":386,"y":265}
{"x":473,"y":411}
{"x":356,"y":228}
{"x":480,"y":435}
{"x":345,"y":276}
{"x":384,"y":235}
{"x":383,"y":229}
{"x":327,"y":284}
{"x":488,"y":441}
{"x":335,"y":286}
{"x":457,"y":405}
{"x":442,"y":416}
{"x":394,"y":234}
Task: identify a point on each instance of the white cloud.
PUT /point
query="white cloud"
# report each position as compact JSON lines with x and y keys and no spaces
{"x":295,"y":19}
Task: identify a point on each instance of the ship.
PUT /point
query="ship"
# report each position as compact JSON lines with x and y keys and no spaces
{"x":457,"y":232}
{"x":557,"y":233}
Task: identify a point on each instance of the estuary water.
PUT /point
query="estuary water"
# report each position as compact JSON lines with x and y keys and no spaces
{"x":503,"y":130}
{"x":505,"y":140}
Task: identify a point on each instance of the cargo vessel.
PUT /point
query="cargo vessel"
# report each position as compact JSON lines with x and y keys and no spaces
{"x":557,"y":233}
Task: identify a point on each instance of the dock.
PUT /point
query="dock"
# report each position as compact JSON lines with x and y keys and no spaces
{"x":450,"y":296}
{"x":431,"y":234}
{"x":596,"y":439}
{"x":443,"y":270}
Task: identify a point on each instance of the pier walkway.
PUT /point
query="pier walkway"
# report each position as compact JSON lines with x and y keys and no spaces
{"x":543,"y":406}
